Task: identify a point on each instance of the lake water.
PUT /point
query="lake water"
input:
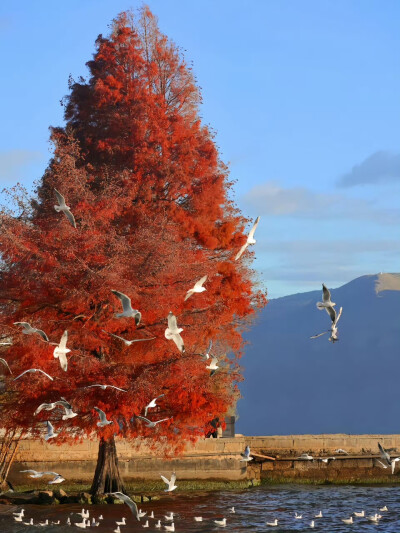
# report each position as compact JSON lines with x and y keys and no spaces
{"x":254,"y":507}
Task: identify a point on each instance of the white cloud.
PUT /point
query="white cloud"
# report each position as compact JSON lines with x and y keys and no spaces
{"x":380,"y":167}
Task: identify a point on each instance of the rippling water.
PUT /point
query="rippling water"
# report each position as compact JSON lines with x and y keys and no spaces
{"x":254,"y":508}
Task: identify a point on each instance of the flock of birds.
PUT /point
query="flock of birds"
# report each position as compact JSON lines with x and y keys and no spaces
{"x":329,"y":307}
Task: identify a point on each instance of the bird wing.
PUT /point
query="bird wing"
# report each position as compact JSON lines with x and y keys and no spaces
{"x":319,"y":335}
{"x":161,"y":395}
{"x":247,"y":451}
{"x":50,"y":428}
{"x":179,"y":342}
{"x":63,"y":341}
{"x":70,"y":217}
{"x":165,"y":480}
{"x":30,"y":471}
{"x":15,"y":379}
{"x":173,"y":478}
{"x":159,"y":421}
{"x":144,"y":419}
{"x":5,"y":364}
{"x":101,"y":413}
{"x":172,"y":324}
{"x":113,"y":335}
{"x":332,"y":313}
{"x":253,"y":229}
{"x":130,"y":503}
{"x":47,"y":406}
{"x":60,"y":199}
{"x":385,"y":456}
{"x":241,"y":251}
{"x":42,"y":334}
{"x":326,"y":295}
{"x":63,"y":361}
{"x":114,"y":387}
{"x":339,"y":315}
{"x":214,"y":362}
{"x":200,"y":282}
{"x":138,"y":317}
{"x":125,"y":300}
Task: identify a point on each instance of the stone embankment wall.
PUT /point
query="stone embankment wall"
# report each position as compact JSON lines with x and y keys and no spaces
{"x":219,"y":459}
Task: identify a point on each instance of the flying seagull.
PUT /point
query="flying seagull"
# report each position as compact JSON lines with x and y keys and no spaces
{"x":130,"y":503}
{"x":326,"y":298}
{"x":27,"y":329}
{"x":170,"y":483}
{"x":152,"y":404}
{"x":36,"y":474}
{"x":58,"y":479}
{"x":62,"y":403}
{"x":250,"y":239}
{"x":103,"y":419}
{"x":149,"y":423}
{"x":5,"y":364}
{"x":33,"y":370}
{"x":61,"y":350}
{"x":213,"y":366}
{"x":125,"y":341}
{"x":246,"y":455}
{"x":127,"y":307}
{"x":198,"y":287}
{"x":104,"y":387}
{"x":206,"y":355}
{"x":334,"y":330}
{"x":384,"y":455}
{"x":173,"y":332}
{"x":50,"y":431}
{"x":62,"y":206}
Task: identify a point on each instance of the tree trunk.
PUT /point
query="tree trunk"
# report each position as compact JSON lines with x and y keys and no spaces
{"x":107,"y":478}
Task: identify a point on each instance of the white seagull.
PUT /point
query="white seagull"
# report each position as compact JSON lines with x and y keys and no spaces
{"x":221,"y":523}
{"x":198,"y":287}
{"x":33,"y":370}
{"x":122,"y":522}
{"x":170,"y":483}
{"x":5,"y":364}
{"x":125,"y":341}
{"x":61,"y":350}
{"x":173,"y":332}
{"x":340,"y":450}
{"x":158,"y":524}
{"x":319,"y":515}
{"x":246,"y":455}
{"x":312,"y":524}
{"x":360,"y":514}
{"x":127,"y":310}
{"x":383,"y":509}
{"x":62,"y":403}
{"x":250,"y":239}
{"x":129,"y":502}
{"x":213,"y":366}
{"x":298,"y":516}
{"x":393,"y":463}
{"x":198,"y":518}
{"x":56,"y":480}
{"x":103,"y":418}
{"x":384,"y":455}
{"x":347,"y":520}
{"x":149,"y":423}
{"x":146,"y":524}
{"x":333,"y":330}
{"x":326,"y":299}
{"x":152,"y":404}
{"x":63,"y":207}
{"x":27,"y":329}
{"x":50,"y":431}
{"x":306,"y":457}
{"x":169,"y":517}
{"x":170,"y":528}
{"x":104,"y":387}
{"x":274,"y":523}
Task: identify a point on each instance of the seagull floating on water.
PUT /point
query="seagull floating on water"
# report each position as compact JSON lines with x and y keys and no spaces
{"x":298,"y":516}
{"x":63,"y":207}
{"x":158,"y":524}
{"x":127,"y":310}
{"x":274,"y":523}
{"x":170,"y":484}
{"x":122,"y":522}
{"x":33,"y":370}
{"x":319,"y":515}
{"x":198,"y":287}
{"x":27,"y":329}
{"x":250,"y":239}
{"x":347,"y":520}
{"x":198,"y":518}
{"x":169,"y":517}
{"x":146,"y":524}
{"x":221,"y":523}
{"x":173,"y":332}
{"x":360,"y":514}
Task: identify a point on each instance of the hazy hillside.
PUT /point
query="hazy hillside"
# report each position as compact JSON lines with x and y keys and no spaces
{"x":294,"y":384}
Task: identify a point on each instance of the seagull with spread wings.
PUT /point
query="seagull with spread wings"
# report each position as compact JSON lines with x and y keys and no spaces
{"x":103,"y":418}
{"x":170,"y":483}
{"x":173,"y":332}
{"x":152,"y":404}
{"x":129,"y":502}
{"x":127,"y":310}
{"x":246,"y":455}
{"x":198,"y":287}
{"x":27,"y":329}
{"x":250,"y":239}
{"x":149,"y":423}
{"x":326,"y":299}
{"x":61,"y":350}
{"x":64,"y":208}
{"x":104,"y":387}
{"x":33,"y":370}
{"x":125,"y":341}
{"x":61,"y":403}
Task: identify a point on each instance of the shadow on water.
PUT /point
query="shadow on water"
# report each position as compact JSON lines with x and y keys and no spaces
{"x":253,"y":507}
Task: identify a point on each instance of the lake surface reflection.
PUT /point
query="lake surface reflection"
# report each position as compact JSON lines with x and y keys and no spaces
{"x":254,"y":507}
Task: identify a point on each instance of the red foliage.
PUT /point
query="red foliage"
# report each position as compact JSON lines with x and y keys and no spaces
{"x":148,"y":191}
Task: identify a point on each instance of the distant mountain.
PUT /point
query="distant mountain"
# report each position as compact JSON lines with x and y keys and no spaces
{"x":297,"y":385}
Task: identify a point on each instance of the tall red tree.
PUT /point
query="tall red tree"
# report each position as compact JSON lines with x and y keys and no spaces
{"x":143,"y":179}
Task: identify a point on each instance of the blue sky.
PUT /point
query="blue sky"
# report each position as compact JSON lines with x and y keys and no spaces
{"x":303,"y":95}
